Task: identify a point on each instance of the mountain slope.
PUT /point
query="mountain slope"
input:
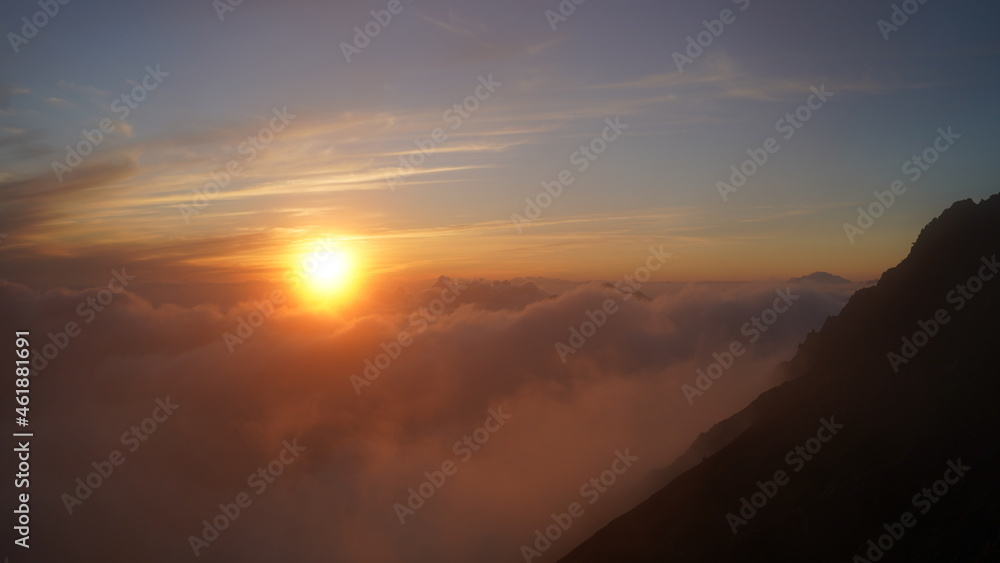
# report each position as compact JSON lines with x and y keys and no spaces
{"x":900,"y":431}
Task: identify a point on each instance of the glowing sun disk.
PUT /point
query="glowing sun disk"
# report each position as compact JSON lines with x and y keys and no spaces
{"x":327,"y":275}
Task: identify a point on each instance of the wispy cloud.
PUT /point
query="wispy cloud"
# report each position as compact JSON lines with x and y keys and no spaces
{"x":721,"y":77}
{"x":58,"y":102}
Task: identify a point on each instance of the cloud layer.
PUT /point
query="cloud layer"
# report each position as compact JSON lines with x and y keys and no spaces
{"x":492,"y":347}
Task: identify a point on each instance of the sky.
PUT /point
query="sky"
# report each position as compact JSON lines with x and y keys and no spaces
{"x":366,"y":227}
{"x":333,"y":170}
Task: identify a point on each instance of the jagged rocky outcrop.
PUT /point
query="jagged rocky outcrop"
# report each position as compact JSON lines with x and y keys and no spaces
{"x":909,"y":369}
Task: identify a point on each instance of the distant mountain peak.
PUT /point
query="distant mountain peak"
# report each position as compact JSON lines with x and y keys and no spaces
{"x":821,"y":277}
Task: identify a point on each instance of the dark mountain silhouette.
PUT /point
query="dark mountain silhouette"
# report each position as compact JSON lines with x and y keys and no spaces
{"x":903,"y":431}
{"x":821,"y":277}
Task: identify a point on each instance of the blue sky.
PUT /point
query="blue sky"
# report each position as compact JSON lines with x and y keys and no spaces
{"x":324,"y":175}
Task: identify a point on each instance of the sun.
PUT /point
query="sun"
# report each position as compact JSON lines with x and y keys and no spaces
{"x":325,"y":274}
